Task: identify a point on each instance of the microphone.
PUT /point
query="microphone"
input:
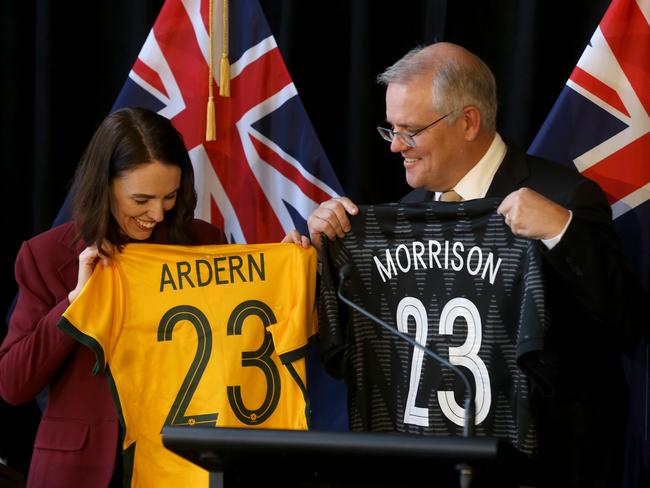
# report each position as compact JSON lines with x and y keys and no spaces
{"x":468,"y":422}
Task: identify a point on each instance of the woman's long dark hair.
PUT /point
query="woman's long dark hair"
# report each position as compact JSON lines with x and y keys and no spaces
{"x":126,"y":139}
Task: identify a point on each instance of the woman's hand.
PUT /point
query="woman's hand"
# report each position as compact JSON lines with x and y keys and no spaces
{"x":295,"y":237}
{"x":88,"y":259}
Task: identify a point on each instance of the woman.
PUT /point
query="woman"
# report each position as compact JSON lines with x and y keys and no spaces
{"x":134,"y":183}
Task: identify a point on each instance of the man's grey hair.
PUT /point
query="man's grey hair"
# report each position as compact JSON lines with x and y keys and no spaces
{"x":458,"y":81}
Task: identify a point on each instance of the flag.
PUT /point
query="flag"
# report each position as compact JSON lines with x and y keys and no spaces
{"x":600,"y":125}
{"x":266,"y":171}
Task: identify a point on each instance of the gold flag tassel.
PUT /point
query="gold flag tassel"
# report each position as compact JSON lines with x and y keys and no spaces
{"x":210,"y":126}
{"x":224,"y":79}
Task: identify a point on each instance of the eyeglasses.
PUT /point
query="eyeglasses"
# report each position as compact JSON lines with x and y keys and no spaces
{"x":407,"y":137}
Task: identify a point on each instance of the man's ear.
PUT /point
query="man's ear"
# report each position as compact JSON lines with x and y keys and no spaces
{"x":471,"y":120}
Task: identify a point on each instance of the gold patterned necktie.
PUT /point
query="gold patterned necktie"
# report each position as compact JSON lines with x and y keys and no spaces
{"x":450,"y":196}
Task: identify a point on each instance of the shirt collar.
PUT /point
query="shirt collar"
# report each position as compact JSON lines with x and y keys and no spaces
{"x":476,"y":182}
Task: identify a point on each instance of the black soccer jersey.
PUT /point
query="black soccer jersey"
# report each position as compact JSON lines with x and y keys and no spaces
{"x":453,"y":277}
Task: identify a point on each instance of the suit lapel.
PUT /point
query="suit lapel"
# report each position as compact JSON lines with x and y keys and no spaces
{"x":418,"y":195}
{"x":69,"y":266}
{"x":510,"y":175}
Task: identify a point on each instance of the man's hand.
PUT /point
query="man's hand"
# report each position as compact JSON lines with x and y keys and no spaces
{"x":331,"y":219}
{"x":529,"y":214}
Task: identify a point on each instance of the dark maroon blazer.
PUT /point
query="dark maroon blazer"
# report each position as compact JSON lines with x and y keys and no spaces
{"x":76,"y":442}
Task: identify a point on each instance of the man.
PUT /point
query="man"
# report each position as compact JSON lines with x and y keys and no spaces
{"x":441,"y":104}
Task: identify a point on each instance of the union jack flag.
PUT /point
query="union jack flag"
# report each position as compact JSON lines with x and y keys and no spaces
{"x":266,"y":171}
{"x":600,"y":124}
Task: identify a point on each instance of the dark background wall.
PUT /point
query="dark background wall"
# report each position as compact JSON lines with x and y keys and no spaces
{"x":59,"y":77}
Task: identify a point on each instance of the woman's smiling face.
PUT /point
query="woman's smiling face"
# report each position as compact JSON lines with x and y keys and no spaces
{"x":140,"y":197}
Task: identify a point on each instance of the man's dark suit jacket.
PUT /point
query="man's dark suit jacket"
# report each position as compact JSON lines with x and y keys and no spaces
{"x":594,"y":300}
{"x":76,"y":442}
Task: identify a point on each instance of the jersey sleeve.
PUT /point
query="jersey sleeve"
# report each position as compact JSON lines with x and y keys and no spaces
{"x":331,"y":320}
{"x":533,"y":355}
{"x":93,"y":317}
{"x":291,"y":333}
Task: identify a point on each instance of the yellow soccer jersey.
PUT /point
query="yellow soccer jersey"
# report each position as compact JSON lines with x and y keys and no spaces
{"x":199,"y":335}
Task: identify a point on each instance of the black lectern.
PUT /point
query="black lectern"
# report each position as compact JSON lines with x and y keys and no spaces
{"x":254,"y":457}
